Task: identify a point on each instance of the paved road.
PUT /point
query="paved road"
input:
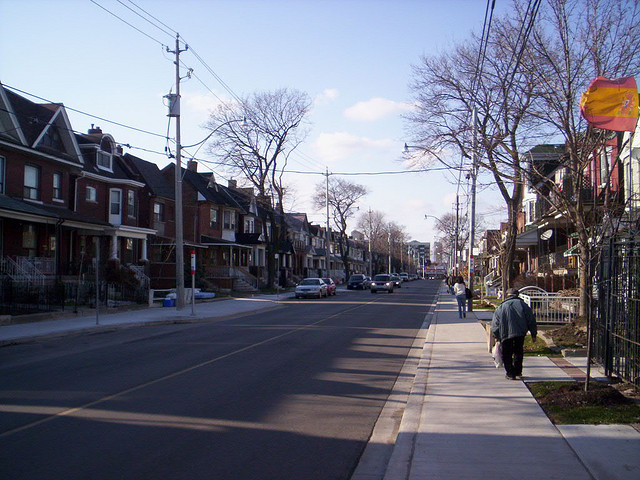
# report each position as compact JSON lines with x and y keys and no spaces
{"x":291,"y":393}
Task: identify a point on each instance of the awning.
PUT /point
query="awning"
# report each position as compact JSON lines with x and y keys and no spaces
{"x":573,"y":251}
{"x":528,"y":238}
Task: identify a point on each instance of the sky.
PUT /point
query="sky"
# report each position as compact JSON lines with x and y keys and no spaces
{"x":352,"y":57}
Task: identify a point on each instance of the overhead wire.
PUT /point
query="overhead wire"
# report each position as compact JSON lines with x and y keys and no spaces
{"x":145,"y":19}
{"x":151,"y":16}
{"x":113,"y":122}
{"x":127,"y":23}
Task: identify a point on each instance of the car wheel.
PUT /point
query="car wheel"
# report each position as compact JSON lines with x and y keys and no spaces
{"x":374,"y":291}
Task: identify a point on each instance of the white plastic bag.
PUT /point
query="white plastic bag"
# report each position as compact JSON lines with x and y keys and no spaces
{"x":497,"y":355}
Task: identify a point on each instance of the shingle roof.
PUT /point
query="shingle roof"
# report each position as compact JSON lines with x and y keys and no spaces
{"x":152,"y":176}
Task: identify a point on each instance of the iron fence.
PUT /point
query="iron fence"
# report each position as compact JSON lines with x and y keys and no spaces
{"x":616,"y":308}
{"x":23,"y":298}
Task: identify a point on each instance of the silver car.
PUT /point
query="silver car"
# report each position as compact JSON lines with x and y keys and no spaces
{"x":382,"y":282}
{"x":311,"y":287}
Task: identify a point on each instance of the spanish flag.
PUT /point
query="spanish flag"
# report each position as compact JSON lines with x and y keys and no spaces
{"x":611,"y":104}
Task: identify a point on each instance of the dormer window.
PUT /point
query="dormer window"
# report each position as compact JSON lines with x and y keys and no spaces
{"x":104,"y":160}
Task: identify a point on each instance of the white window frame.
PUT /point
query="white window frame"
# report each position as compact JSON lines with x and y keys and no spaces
{"x":56,"y":192}
{"x":32,"y":191}
{"x":104,"y":160}
{"x":159,"y":212}
{"x":231,"y":223}
{"x":131,"y":203}
{"x":115,"y":217}
{"x":249,"y":225}
{"x":213,"y":217}
{"x":91,"y":194}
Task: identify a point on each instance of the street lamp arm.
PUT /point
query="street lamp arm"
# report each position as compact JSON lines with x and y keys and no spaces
{"x":244,"y":123}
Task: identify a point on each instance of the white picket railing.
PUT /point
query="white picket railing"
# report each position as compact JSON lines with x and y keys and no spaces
{"x":552,"y":308}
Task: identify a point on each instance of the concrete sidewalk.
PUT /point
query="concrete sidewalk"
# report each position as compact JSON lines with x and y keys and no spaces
{"x":73,"y":324}
{"x":464,"y":420}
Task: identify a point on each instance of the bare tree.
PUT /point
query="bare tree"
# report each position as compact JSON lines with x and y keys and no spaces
{"x":373,"y":224}
{"x":254,"y":138}
{"x":574,"y":42}
{"x":342,"y":197}
{"x":450,"y":92}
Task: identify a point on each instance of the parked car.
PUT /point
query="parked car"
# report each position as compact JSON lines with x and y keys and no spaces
{"x":331,"y":286}
{"x":367,"y":282}
{"x":396,"y":280}
{"x":356,"y":281}
{"x":404,"y":277}
{"x":311,"y":287}
{"x":382,"y":282}
{"x":413,"y":276}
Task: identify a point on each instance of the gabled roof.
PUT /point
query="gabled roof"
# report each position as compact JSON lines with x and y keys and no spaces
{"x":297,"y":221}
{"x":152,"y":177}
{"x":214,"y":192}
{"x":32,"y":122}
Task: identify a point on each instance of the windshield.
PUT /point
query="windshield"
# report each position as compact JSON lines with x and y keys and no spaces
{"x":357,"y":277}
{"x":310,"y":281}
{"x":381,"y":278}
{"x":327,"y":281}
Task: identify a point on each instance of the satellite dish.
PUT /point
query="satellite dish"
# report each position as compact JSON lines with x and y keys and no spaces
{"x":547,"y":234}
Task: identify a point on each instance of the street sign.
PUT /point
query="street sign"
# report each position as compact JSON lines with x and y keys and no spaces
{"x":193,"y":262}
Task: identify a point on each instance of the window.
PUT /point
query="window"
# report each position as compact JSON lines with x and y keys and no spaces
{"x":229,"y":220}
{"x":213,"y":216}
{"x":52,"y":138}
{"x":131,"y":203}
{"x":1,"y":174}
{"x":158,"y":212}
{"x":115,"y":202}
{"x":249,"y":225}
{"x":29,"y":239}
{"x":57,"y":186}
{"x":92,"y":194}
{"x":103,"y":160}
{"x":32,"y":182}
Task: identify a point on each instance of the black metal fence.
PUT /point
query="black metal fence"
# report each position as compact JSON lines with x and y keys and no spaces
{"x":22,"y":298}
{"x":616,"y":308}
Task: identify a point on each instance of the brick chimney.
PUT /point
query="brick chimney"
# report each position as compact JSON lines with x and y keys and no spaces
{"x":192,"y":165}
{"x":233,"y":184}
{"x":95,"y":130}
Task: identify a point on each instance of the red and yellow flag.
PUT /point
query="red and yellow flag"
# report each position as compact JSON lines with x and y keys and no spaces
{"x":611,"y":104}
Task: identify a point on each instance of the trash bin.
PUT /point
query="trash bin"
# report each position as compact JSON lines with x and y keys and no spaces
{"x":168,"y":302}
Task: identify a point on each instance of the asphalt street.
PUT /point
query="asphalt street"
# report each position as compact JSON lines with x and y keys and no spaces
{"x":292,"y":393}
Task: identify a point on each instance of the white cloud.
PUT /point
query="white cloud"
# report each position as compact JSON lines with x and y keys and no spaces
{"x":326,"y":96}
{"x":333,"y":147}
{"x":375,"y":109}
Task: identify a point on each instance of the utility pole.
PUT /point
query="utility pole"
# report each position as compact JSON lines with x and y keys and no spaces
{"x":456,"y":246}
{"x":472,"y":220}
{"x":328,"y":246}
{"x":174,"y":111}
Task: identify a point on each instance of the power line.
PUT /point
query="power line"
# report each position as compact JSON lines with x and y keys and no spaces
{"x":127,"y":23}
{"x":145,"y":19}
{"x":149,"y":15}
{"x":113,"y":122}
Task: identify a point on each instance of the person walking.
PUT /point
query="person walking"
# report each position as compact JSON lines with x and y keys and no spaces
{"x":460,"y":291}
{"x":509,"y":325}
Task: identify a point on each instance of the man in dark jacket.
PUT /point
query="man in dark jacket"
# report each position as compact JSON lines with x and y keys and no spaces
{"x":511,"y":321}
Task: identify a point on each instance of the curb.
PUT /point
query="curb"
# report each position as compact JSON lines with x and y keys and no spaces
{"x":121,"y":326}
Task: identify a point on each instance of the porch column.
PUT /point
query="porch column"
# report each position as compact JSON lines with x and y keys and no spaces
{"x":143,"y":253}
{"x":114,"y":246}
